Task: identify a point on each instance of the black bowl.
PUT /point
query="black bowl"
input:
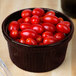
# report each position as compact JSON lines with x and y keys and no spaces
{"x":36,"y":58}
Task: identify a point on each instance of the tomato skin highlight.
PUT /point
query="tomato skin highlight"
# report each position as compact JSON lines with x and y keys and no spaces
{"x":59,"y":36}
{"x":66,"y":23}
{"x":26,"y":13}
{"x":31,"y":41}
{"x":49,"y":40}
{"x":51,"y":13}
{"x":35,"y":19}
{"x":60,"y":19}
{"x":63,"y":28}
{"x":38,"y":12}
{"x":24,"y":26}
{"x":13,"y":26}
{"x":50,"y":19}
{"x":22,"y":41}
{"x":28,"y":33}
{"x":49,"y":27}
{"x":14,"y":34}
{"x":47,"y":34}
{"x":38,"y":28}
{"x":39,"y":38}
{"x":27,"y":19}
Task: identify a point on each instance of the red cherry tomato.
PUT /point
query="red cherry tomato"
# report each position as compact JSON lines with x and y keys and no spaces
{"x":49,"y":27}
{"x":63,"y":28}
{"x":60,"y":19}
{"x":35,"y":19}
{"x":50,"y":19}
{"x":47,"y":34}
{"x":41,"y":44}
{"x":14,"y":34}
{"x":21,"y":20}
{"x":26,"y":13}
{"x":39,"y":38}
{"x":38,"y":28}
{"x":22,"y":41}
{"x":51,"y":13}
{"x":24,"y":26}
{"x":59,"y":36}
{"x":13,"y":26}
{"x":38,"y":12}
{"x":49,"y":40}
{"x":28,"y":33}
{"x":66,"y":23}
{"x":31,"y":41}
{"x":27,"y":19}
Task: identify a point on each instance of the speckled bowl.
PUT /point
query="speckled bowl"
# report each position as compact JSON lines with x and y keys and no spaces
{"x":36,"y":58}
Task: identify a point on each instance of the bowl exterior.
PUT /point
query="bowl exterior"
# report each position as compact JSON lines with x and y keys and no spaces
{"x":37,"y":59}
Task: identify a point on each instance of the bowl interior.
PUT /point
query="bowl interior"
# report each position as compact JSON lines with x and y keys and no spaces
{"x":16,"y":15}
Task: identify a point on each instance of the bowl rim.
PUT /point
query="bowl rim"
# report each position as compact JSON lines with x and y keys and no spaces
{"x":54,"y":44}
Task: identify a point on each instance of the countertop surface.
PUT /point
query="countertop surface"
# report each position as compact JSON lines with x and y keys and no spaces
{"x":68,"y":68}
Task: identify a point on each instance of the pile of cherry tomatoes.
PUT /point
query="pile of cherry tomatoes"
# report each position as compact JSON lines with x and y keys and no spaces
{"x":37,"y":27}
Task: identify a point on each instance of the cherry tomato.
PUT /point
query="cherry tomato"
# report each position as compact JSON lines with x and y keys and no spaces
{"x":47,"y":34}
{"x":24,"y":26}
{"x":51,"y":13}
{"x":13,"y":26}
{"x":26,"y":13}
{"x":50,"y":19}
{"x":21,"y":20}
{"x":28,"y":33}
{"x":49,"y":27}
{"x":41,"y":44}
{"x":35,"y":19}
{"x":49,"y":40}
{"x":38,"y":28}
{"x":66,"y":23}
{"x":27,"y":19}
{"x":31,"y":41}
{"x":59,"y":36}
{"x":22,"y":41}
{"x":60,"y":19}
{"x":39,"y":38}
{"x":63,"y":28}
{"x":14,"y":34}
{"x":38,"y":12}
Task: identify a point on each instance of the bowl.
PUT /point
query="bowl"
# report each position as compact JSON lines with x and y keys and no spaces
{"x":36,"y":58}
